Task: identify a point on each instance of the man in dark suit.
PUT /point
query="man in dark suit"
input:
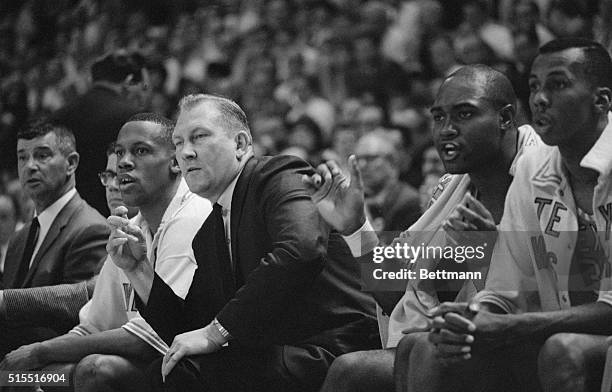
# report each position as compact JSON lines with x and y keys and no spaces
{"x":65,"y":241}
{"x":268,"y":283}
{"x":95,"y":117}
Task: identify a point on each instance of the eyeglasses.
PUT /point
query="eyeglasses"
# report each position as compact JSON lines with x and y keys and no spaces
{"x":107,"y":176}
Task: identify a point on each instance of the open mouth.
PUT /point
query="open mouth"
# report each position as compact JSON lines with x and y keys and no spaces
{"x":125,"y":180}
{"x":450,"y":151}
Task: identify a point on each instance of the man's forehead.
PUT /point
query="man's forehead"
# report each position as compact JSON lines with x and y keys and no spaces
{"x":571,"y":58}
{"x":48,"y":140}
{"x":134,"y":131}
{"x":203,"y":114}
{"x":458,"y":90}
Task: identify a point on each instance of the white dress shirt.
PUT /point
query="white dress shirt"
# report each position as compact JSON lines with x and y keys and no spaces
{"x":47,"y":216}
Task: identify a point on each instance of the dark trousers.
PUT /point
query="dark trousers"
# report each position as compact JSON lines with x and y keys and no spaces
{"x":240,"y":369}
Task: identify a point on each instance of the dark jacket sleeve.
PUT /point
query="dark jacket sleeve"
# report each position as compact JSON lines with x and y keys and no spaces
{"x":297,"y":253}
{"x":165,"y":311}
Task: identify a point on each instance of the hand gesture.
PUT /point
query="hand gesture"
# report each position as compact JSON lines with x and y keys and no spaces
{"x":189,"y":343}
{"x":24,"y":358}
{"x":126,"y":245}
{"x":469,"y":217}
{"x":339,"y":198}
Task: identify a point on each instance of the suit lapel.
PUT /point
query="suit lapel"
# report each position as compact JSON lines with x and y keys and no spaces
{"x":60,"y":221}
{"x":14,"y":255}
{"x":238,"y":199}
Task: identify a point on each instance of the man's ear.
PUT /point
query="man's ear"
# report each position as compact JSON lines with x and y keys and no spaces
{"x":603,"y":99}
{"x":243,"y":141}
{"x":507,"y":115}
{"x":73,"y":162}
{"x":174,"y":166}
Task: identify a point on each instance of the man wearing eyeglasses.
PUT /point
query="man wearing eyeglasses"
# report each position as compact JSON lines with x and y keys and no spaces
{"x":108,"y":178}
{"x":391,"y":204}
{"x":112,"y":344}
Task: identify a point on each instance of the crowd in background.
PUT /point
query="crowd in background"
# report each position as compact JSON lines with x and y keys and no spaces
{"x":312,"y":75}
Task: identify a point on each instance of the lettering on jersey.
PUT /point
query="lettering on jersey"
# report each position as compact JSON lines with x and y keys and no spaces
{"x":554,"y":217}
{"x":128,"y":297}
{"x":543,"y":258}
{"x":541,"y":202}
{"x":606,"y":211}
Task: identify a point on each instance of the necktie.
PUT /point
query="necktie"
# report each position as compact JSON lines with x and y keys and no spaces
{"x":28,"y":251}
{"x":223,"y":256}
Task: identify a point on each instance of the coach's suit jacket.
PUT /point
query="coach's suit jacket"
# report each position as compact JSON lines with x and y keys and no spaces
{"x":294,"y":288}
{"x":70,"y":253}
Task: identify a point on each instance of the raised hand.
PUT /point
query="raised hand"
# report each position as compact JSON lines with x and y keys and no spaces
{"x":470,"y":223}
{"x":339,"y":198}
{"x":126,"y":245}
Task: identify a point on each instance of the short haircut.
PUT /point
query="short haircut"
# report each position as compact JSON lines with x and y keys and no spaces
{"x":41,"y":126}
{"x":116,"y":66}
{"x":167,"y":126}
{"x":497,"y":87}
{"x":597,"y":65}
{"x":232,"y":118}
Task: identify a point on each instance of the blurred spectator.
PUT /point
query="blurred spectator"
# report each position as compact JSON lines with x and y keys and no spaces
{"x":476,"y":20}
{"x":432,"y":169}
{"x":570,"y":18}
{"x":371,"y":78}
{"x":525,"y":18}
{"x":9,"y":218}
{"x":307,"y":101}
{"x":370,"y":118}
{"x":344,"y":140}
{"x":119,"y":84}
{"x":306,"y":135}
{"x":13,"y":114}
{"x":390,"y":203}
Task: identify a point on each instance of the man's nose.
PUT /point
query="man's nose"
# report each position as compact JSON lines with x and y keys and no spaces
{"x":449,"y":130}
{"x":539,"y":100}
{"x":125,"y":162}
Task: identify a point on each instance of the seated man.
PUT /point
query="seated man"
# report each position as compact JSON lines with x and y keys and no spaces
{"x":112,"y":343}
{"x":479,"y":143}
{"x":60,"y":304}
{"x":64,"y":243}
{"x":270,"y":283}
{"x":547,"y":306}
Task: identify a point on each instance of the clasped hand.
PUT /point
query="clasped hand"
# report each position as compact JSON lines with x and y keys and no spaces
{"x":458,"y":330}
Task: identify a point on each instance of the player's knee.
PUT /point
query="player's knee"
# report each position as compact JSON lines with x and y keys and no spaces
{"x":94,"y":370}
{"x":561,"y":362}
{"x":407,"y":345}
{"x":346,"y":367}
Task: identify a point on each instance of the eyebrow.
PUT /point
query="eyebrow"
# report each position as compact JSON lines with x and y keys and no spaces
{"x":456,"y":106}
{"x":552,"y":73}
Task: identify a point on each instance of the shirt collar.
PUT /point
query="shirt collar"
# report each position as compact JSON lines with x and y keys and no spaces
{"x":182,"y":192}
{"x":225,"y":200}
{"x":599,"y":158}
{"x":48,"y":215}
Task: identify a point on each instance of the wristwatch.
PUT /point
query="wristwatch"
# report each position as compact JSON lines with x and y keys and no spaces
{"x":224,"y":332}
